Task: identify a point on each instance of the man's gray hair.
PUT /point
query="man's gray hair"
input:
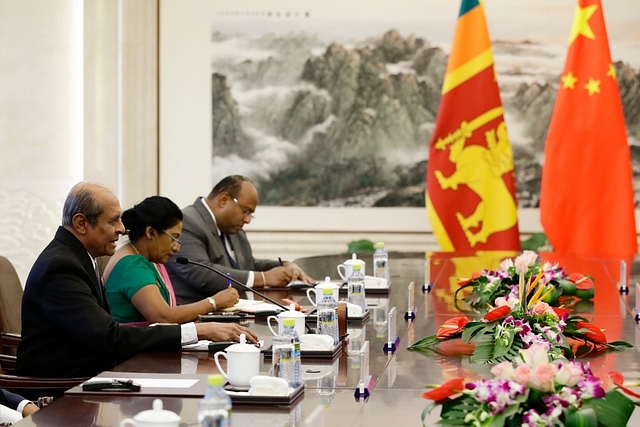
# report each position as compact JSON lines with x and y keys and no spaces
{"x":81,"y":199}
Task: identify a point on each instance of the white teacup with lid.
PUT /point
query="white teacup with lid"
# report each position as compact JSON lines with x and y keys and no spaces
{"x":292,"y":313}
{"x":319,"y":288}
{"x":243,"y":363}
{"x":346,"y":268}
{"x":156,"y":417}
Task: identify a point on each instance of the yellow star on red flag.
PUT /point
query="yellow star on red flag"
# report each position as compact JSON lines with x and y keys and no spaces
{"x":593,"y":86}
{"x":569,"y":81}
{"x":581,"y":23}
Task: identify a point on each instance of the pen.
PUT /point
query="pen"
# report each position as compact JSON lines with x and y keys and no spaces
{"x":229,"y":280}
{"x":280,"y":261}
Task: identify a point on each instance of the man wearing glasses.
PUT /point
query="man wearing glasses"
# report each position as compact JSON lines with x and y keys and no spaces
{"x":212,"y":234}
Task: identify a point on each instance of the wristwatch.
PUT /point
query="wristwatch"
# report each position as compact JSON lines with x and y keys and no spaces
{"x":214,"y":306}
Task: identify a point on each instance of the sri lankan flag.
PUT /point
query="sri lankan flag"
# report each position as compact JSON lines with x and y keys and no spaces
{"x":587,"y":200}
{"x":470,"y":183}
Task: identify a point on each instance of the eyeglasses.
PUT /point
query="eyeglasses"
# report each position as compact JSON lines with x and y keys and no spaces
{"x":246,"y":212}
{"x":173,"y":238}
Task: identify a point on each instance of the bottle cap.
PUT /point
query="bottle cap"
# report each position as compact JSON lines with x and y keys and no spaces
{"x":380,"y":245}
{"x":356,"y":267}
{"x":327,"y":291}
{"x":289,"y":322}
{"x":216,"y":380}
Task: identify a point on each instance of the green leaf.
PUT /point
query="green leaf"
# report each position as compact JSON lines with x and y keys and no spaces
{"x":427,"y":342}
{"x":499,"y":420}
{"x":471,"y":329}
{"x":613,"y":410}
{"x":483,"y":353}
{"x":363,"y":246}
{"x":585,"y":417}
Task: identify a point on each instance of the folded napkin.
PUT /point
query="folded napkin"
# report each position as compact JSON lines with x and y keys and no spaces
{"x":354,"y":310}
{"x":371,"y":282}
{"x":316,"y":342}
{"x":262,"y":385}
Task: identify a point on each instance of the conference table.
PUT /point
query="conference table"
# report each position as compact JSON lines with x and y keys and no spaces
{"x":395,"y":379}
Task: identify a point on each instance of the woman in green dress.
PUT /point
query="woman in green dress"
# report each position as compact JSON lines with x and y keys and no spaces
{"x":138,"y":288}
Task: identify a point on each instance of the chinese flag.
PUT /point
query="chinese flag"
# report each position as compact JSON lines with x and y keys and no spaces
{"x":586,"y":201}
{"x":470,"y":184}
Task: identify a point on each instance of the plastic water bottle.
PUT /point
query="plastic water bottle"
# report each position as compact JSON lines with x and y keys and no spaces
{"x":328,"y":315}
{"x":283,"y":358}
{"x":214,"y":409}
{"x":289,"y":329}
{"x":356,"y":288}
{"x":381,"y":262}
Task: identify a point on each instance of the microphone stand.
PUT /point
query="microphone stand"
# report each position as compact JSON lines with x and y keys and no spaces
{"x":185,"y":261}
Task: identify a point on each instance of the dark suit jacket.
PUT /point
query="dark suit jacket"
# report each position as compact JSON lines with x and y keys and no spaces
{"x":67,"y":328}
{"x":201,"y":243}
{"x":10,"y":400}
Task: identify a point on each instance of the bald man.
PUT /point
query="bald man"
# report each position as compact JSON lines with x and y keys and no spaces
{"x":212,"y":234}
{"x":67,"y":328}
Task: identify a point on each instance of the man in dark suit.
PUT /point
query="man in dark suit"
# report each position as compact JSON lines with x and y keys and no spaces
{"x":14,"y":407}
{"x":212,"y":234}
{"x":67,"y":328}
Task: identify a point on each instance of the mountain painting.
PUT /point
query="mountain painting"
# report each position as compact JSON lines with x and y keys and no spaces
{"x":323,"y":110}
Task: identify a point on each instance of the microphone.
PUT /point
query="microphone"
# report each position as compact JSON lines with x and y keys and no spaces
{"x":184,"y":261}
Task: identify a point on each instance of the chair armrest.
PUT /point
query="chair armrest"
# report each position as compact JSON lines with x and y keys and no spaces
{"x":10,"y":342}
{"x":10,"y":339}
{"x":7,"y":364}
{"x":34,"y":387}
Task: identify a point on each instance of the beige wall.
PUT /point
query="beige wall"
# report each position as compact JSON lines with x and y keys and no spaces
{"x":78,"y":101}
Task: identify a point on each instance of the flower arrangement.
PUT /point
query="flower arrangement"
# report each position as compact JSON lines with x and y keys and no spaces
{"x":533,"y":391}
{"x":488,"y":285}
{"x":521,"y":321}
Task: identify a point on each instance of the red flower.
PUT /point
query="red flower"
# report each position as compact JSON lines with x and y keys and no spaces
{"x":581,"y":281}
{"x":560,"y":311}
{"x":594,"y":334}
{"x":497,"y":313}
{"x":447,"y":389}
{"x":451,"y":327}
{"x":618,"y":379}
{"x":473,"y":277}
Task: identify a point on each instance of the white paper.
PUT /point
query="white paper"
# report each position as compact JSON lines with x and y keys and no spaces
{"x":202,"y":345}
{"x":152,"y":382}
{"x":253,"y":306}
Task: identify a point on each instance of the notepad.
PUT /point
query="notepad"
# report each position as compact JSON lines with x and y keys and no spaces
{"x":255,"y":307}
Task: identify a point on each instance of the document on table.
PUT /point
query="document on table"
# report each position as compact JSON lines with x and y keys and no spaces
{"x":153,"y":382}
{"x":253,"y":306}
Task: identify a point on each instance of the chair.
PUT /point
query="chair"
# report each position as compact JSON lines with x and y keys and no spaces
{"x":10,"y":328}
{"x":30,"y":387}
{"x":10,"y":298}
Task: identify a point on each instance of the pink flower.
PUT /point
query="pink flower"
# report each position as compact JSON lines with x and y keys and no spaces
{"x":526,"y":260}
{"x":521,"y":374}
{"x":529,"y":257}
{"x":569,"y":374}
{"x":503,"y":371}
{"x":535,"y":355}
{"x":501,"y":301}
{"x":504,"y":265}
{"x":541,"y":308}
{"x":543,"y":375}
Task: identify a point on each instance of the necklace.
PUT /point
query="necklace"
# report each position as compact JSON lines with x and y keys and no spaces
{"x":134,"y":248}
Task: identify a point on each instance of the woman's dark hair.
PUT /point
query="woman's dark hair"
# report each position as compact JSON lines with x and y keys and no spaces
{"x":155,"y":211}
